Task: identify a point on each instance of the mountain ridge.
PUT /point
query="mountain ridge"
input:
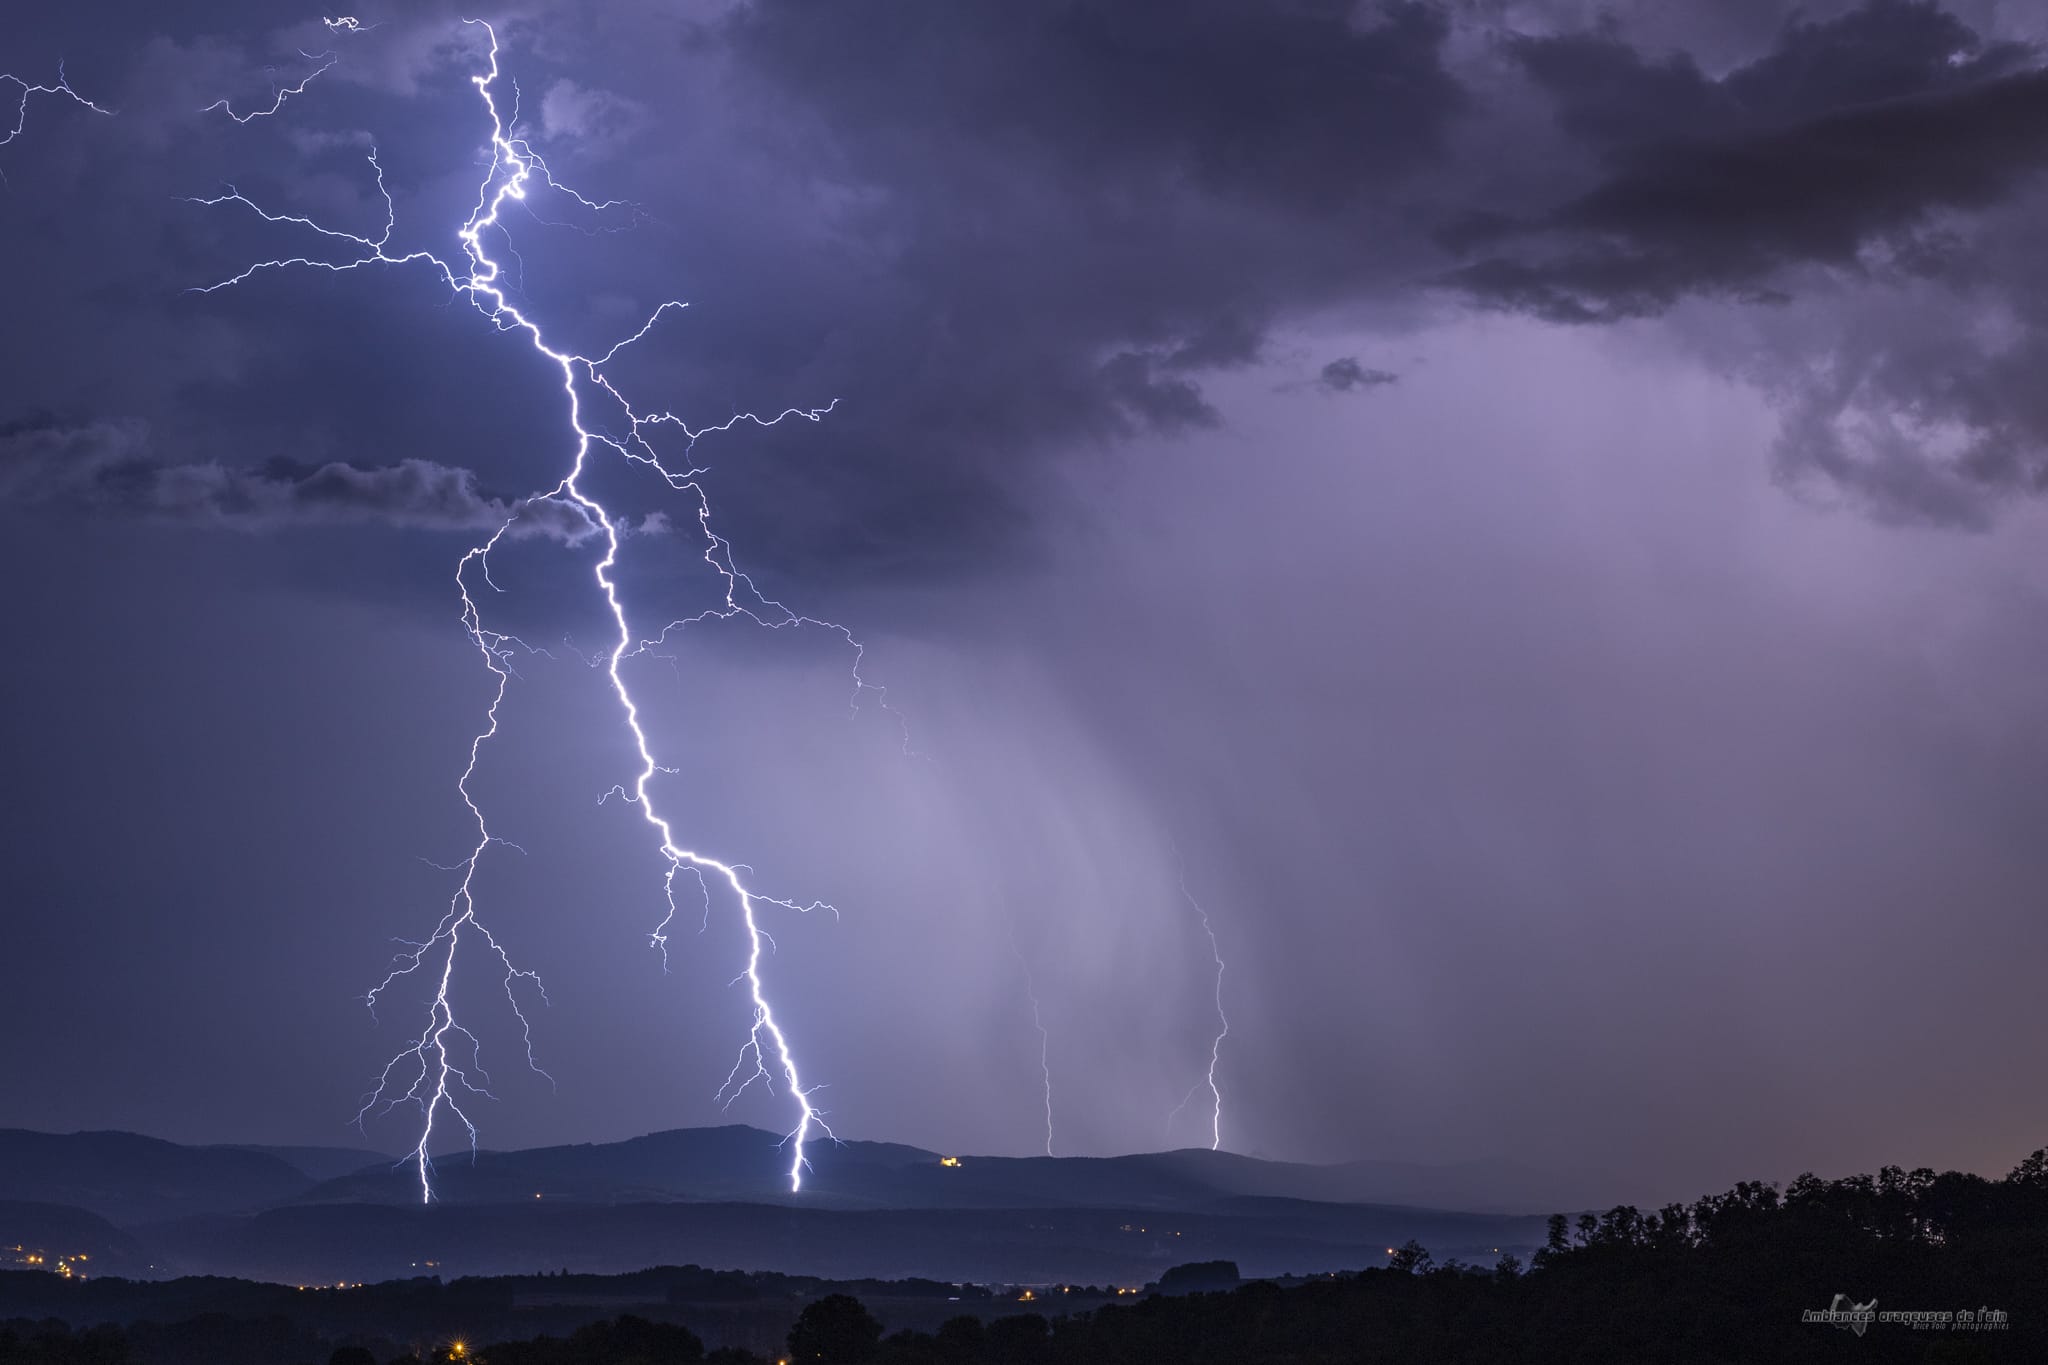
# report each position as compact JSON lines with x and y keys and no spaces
{"x":129,"y":1177}
{"x":720,"y":1196}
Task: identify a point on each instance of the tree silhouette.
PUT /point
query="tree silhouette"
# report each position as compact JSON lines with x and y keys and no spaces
{"x":836,"y":1330}
{"x":1412,"y":1259}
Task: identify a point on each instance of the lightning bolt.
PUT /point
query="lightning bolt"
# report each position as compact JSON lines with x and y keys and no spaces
{"x":280,"y":93}
{"x":1044,"y":1038}
{"x":439,"y":1082}
{"x":440,"y":1068}
{"x":62,"y":87}
{"x":1222,"y":1023}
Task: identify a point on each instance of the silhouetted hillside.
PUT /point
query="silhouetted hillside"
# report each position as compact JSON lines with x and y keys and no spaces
{"x":741,"y":1163}
{"x":53,"y":1235}
{"x":733,"y":1162}
{"x":236,"y":1322}
{"x":720,"y":1196}
{"x":318,"y":1163}
{"x":326,"y":1243}
{"x":131,"y":1179}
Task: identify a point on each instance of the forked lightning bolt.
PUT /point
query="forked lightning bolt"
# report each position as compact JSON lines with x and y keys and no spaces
{"x":439,"y":1069}
{"x":1222,"y":1026}
{"x":62,"y":87}
{"x":279,"y":94}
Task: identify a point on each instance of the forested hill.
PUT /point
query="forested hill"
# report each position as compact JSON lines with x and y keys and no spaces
{"x":1900,"y":1266}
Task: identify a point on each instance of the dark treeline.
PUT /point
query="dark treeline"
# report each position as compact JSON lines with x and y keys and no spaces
{"x":204,"y":1320}
{"x":1730,"y":1278}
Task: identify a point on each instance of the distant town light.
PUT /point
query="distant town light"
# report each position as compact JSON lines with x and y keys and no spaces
{"x":949,"y":1161}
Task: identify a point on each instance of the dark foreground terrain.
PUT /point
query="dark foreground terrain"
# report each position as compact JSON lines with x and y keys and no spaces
{"x":1902,"y":1266}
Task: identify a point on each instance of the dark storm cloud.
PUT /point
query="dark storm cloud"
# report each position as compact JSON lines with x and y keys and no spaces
{"x":1615,"y":97}
{"x":1725,"y":216}
{"x":1002,"y":232}
{"x":1295,"y":103}
{"x":111,"y":466}
{"x":995,"y":231}
{"x":1853,"y":131}
{"x":1065,"y":218}
{"x":1864,"y":193}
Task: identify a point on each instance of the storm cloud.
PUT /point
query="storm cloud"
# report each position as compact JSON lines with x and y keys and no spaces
{"x":1864,"y":181}
{"x":111,"y":467}
{"x":1853,"y":133}
{"x":998,"y":233}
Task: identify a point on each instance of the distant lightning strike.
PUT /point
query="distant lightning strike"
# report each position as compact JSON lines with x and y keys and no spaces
{"x":1222,"y":1027}
{"x":439,"y":1069}
{"x":1044,"y":1038}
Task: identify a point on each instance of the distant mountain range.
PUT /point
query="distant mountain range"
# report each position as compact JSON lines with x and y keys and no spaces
{"x":129,"y":1178}
{"x":720,"y":1197}
{"x":741,"y":1163}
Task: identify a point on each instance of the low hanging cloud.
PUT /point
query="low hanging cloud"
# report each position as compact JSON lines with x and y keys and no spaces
{"x":1346,"y":375}
{"x":111,"y":466}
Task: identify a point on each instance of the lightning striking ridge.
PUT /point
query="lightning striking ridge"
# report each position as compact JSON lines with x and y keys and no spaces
{"x":438,"y":1081}
{"x":434,"y":1073}
{"x":62,"y":87}
{"x":1044,"y":1038}
{"x":1222,"y":1024}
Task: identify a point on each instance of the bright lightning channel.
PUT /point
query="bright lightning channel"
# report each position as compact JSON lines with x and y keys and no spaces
{"x":1222,"y":1025}
{"x":439,"y":1069}
{"x":62,"y":87}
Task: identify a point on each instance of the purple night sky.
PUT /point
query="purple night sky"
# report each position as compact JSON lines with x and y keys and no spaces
{"x":1527,"y":506}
